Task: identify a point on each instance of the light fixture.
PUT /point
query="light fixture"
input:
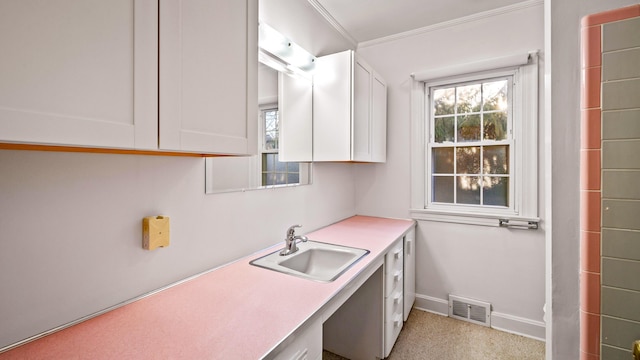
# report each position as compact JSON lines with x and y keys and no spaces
{"x":277,"y":46}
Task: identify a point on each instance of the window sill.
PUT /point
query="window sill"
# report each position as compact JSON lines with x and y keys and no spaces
{"x":482,"y":219}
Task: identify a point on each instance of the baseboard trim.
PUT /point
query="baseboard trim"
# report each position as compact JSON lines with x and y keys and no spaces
{"x":518,"y":325}
{"x":499,"y":321}
{"x":431,"y":304}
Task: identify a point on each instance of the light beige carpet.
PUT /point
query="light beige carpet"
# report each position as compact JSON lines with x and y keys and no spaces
{"x":430,"y":336}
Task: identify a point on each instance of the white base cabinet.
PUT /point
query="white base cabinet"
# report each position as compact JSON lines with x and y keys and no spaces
{"x":304,"y":344}
{"x":394,"y":295}
{"x":367,"y":325}
{"x":409,"y":271}
{"x":349,"y":110}
{"x":364,"y":320}
{"x":355,"y":330}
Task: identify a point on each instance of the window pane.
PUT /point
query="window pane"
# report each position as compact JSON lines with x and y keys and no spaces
{"x":469,"y":98}
{"x":271,"y":140}
{"x":293,"y":167}
{"x":495,"y":126}
{"x":495,"y":190}
{"x":443,"y":129}
{"x":269,"y":179}
{"x":495,"y":95}
{"x":442,"y":190}
{"x":496,"y":160}
{"x":293,"y":178}
{"x":468,"y":190}
{"x":271,"y":120}
{"x":270,"y":129}
{"x":268,"y":162}
{"x":280,"y":166}
{"x":443,"y":160}
{"x":468,"y":160}
{"x":444,"y":101}
{"x":469,"y":128}
{"x":281,"y":178}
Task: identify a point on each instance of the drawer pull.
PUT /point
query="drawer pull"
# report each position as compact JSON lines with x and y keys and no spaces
{"x":397,"y":322}
{"x":301,"y":355}
{"x":397,"y":276}
{"x":397,"y":253}
{"x":396,"y":298}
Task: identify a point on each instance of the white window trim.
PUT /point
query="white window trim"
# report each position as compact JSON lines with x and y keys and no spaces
{"x":305,"y":170}
{"x":261,"y":127}
{"x":525,"y":171}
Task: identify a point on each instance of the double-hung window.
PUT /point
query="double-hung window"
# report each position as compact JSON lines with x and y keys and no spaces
{"x":474,"y":147}
{"x":470,"y":143}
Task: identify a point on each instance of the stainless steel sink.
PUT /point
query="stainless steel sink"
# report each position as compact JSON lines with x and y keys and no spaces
{"x":314,"y":260}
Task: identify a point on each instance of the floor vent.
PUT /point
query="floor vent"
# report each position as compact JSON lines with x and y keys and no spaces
{"x":477,"y":312}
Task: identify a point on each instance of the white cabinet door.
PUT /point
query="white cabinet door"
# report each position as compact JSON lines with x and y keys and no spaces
{"x":349,"y":110}
{"x":79,"y":72}
{"x":332,"y":98}
{"x":361,"y":132}
{"x":409,"y":271}
{"x":370,"y":114}
{"x":295,"y":118}
{"x":378,"y":119}
{"x":208,"y":76}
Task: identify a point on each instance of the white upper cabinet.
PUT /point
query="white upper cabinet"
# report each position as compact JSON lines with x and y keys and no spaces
{"x":378,"y":119}
{"x":208,"y":76}
{"x":295,"y":118}
{"x":79,"y":73}
{"x":349,"y":110}
{"x":89,"y":73}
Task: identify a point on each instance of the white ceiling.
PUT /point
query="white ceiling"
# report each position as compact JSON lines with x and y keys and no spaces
{"x":366,"y":20}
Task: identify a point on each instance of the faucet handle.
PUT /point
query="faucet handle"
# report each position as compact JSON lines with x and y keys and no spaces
{"x":292,"y":230}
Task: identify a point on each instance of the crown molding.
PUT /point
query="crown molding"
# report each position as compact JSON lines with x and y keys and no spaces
{"x":454,"y":22}
{"x":334,"y":23}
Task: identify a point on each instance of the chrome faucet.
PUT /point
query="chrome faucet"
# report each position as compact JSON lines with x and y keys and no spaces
{"x":291,"y":240}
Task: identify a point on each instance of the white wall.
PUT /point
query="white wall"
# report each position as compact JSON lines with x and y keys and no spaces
{"x":504,"y":267}
{"x":267,"y":85}
{"x":71,"y":228}
{"x":562,"y":115}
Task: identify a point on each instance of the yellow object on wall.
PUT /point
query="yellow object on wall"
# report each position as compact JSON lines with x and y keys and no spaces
{"x":155,"y":232}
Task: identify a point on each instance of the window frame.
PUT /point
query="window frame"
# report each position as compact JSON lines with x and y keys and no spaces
{"x":431,"y":144}
{"x":524,"y":150}
{"x":262,"y":128}
{"x":303,"y":168}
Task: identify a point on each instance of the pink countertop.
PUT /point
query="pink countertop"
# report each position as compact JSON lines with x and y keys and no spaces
{"x":238,"y":311}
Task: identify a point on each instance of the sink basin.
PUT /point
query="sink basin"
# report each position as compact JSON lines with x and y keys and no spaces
{"x":314,"y":260}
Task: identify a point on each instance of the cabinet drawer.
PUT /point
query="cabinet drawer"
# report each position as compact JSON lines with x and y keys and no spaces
{"x":392,"y":330}
{"x":394,"y":269}
{"x":394,"y":258}
{"x":394,"y":304}
{"x":394,"y":281}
